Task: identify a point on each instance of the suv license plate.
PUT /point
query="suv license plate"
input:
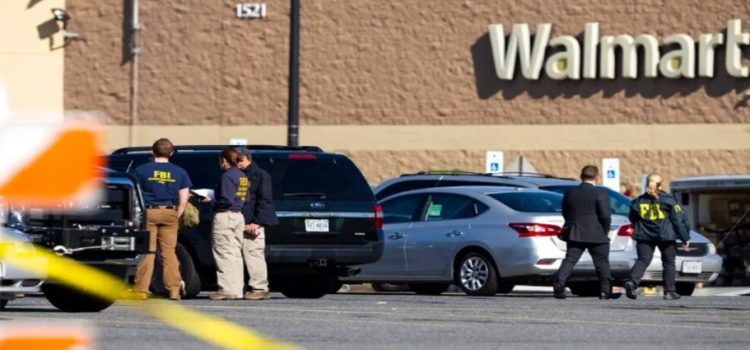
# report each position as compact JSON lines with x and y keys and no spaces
{"x":317,"y":225}
{"x":694,"y":267}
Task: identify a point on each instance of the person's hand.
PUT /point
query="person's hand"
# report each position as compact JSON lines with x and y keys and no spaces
{"x":685,"y":245}
{"x":251,"y":230}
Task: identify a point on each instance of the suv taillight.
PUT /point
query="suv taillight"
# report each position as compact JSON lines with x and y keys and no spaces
{"x":625,"y":231}
{"x":525,"y":229}
{"x":378,"y":209}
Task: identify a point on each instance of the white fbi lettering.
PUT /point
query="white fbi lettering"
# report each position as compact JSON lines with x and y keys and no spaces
{"x":571,"y":62}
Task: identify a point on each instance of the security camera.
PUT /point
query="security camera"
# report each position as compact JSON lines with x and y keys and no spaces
{"x":60,"y":15}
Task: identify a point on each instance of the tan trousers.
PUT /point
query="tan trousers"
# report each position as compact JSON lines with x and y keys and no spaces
{"x":227,"y":237}
{"x":254,"y":252}
{"x":162,"y":225}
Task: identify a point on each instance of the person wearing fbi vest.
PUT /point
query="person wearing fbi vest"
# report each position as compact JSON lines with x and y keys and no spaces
{"x":229,"y":226}
{"x":259,"y":213}
{"x":165,"y":188}
{"x":658,"y":221}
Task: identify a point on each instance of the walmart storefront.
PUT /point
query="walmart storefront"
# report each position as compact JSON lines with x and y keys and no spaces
{"x":404,"y":86}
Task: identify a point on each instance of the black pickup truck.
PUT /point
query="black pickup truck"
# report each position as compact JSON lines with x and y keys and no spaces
{"x":108,"y":234}
{"x":329,"y":220}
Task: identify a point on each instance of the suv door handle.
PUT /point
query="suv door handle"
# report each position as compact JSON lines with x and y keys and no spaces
{"x":454,"y":233}
{"x":396,"y":235}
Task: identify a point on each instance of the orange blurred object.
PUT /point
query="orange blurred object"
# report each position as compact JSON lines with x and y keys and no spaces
{"x":48,"y":337}
{"x":67,"y":168}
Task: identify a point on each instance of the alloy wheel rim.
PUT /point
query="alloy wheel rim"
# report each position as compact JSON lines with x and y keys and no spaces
{"x":474,"y":273}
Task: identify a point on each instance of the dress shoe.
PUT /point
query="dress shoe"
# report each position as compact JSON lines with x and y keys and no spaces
{"x":671,"y":296}
{"x":257,"y":295}
{"x":609,"y":295}
{"x":631,"y":290}
{"x":559,"y":290}
{"x":221,"y":296}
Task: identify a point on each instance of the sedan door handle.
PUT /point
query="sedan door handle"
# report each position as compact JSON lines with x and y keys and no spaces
{"x":454,"y":233}
{"x":396,"y":235}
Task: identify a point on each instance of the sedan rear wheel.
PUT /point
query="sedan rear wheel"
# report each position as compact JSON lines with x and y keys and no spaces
{"x":476,"y":275}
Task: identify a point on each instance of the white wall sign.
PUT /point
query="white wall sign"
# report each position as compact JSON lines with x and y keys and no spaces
{"x":574,"y":62}
{"x":611,"y":173}
{"x":493,"y":162}
{"x":250,"y":10}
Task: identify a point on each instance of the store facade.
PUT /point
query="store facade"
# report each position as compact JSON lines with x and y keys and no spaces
{"x":413,"y":85}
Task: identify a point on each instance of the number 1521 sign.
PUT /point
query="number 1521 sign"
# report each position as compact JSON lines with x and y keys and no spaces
{"x":250,"y":10}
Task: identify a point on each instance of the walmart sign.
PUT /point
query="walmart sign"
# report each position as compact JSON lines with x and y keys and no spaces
{"x":596,"y":59}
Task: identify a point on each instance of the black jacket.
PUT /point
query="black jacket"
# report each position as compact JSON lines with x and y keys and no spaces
{"x":259,"y":207}
{"x":658,"y":219}
{"x":587,"y":215}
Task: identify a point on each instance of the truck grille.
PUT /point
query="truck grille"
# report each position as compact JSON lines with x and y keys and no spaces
{"x":695,"y":249}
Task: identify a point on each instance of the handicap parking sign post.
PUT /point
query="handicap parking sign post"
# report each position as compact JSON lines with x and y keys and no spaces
{"x":611,"y":170}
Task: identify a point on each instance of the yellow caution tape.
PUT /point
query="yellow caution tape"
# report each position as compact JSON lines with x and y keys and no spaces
{"x":213,"y":330}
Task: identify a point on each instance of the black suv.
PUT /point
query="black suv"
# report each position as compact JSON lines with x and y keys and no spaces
{"x":109,"y":235}
{"x":329,"y":220}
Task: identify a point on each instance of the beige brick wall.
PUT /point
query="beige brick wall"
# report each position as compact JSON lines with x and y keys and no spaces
{"x":384,"y":62}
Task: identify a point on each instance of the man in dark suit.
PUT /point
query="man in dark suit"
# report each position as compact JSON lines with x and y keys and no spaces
{"x":587,"y":223}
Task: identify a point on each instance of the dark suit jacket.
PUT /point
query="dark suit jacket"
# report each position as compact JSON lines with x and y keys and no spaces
{"x":587,"y":216}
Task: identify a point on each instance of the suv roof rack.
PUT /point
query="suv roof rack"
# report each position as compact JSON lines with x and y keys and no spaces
{"x":142,"y":149}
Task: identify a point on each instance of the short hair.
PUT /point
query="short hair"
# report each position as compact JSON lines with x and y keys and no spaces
{"x":231,"y":156}
{"x":244,"y":153}
{"x":162,"y":148}
{"x":589,"y":172}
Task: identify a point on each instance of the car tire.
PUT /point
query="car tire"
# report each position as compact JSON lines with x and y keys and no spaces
{"x":476,"y":275}
{"x":389,"y":287}
{"x":3,"y":304}
{"x":585,"y":289}
{"x":68,"y":299}
{"x":505,"y":288}
{"x":308,"y":287}
{"x":429,"y":288}
{"x":685,"y":288}
{"x":188,"y":273}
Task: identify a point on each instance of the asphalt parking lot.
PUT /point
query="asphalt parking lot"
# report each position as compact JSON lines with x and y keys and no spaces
{"x":529,"y":320}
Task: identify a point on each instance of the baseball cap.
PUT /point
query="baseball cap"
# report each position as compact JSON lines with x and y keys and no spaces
{"x":244,"y":151}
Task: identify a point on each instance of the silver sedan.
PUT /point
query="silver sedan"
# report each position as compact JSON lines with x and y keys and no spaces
{"x":484,"y":239}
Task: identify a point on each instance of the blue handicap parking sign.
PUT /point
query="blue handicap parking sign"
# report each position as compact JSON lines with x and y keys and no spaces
{"x":494,"y":167}
{"x":611,"y":174}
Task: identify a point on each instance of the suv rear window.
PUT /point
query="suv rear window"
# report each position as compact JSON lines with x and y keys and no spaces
{"x":322,"y":177}
{"x":531,"y":202}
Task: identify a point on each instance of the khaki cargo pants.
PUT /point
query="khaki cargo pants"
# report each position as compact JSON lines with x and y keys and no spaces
{"x":227,"y":238}
{"x":254,"y":252}
{"x":162,"y":225}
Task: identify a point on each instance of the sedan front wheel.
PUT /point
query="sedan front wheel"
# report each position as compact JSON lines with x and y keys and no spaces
{"x":476,"y":275}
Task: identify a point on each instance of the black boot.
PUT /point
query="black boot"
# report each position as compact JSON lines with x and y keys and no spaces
{"x":631,"y":290}
{"x":671,"y":295}
{"x":559,"y":290}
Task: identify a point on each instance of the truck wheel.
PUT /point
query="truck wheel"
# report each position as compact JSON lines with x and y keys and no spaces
{"x":67,"y":299}
{"x":3,"y":303}
{"x":685,"y":289}
{"x":188,"y":273}
{"x":429,"y":288}
{"x":308,"y":287}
